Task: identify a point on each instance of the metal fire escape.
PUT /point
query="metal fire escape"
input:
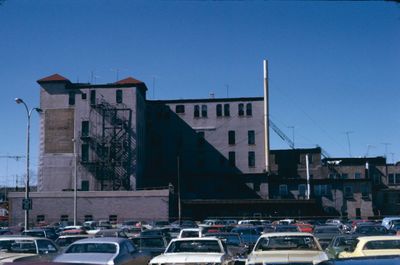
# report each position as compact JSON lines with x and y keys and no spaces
{"x":113,"y":144}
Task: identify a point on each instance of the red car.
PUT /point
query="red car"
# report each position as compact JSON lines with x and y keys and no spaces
{"x":307,"y":228}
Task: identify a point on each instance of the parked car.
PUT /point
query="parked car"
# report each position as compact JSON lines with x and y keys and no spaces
{"x":20,"y":248}
{"x":203,"y":250}
{"x":190,"y":232}
{"x":154,"y":245}
{"x":373,"y":246}
{"x":388,"y":221}
{"x":111,"y":233}
{"x":286,"y":228}
{"x":248,"y":234}
{"x":235,"y":246}
{"x":286,"y":248}
{"x":371,"y":230}
{"x":340,"y":243}
{"x":307,"y":228}
{"x":373,"y":260}
{"x":325,"y":233}
{"x":66,"y":240}
{"x":103,"y":251}
{"x":41,"y":232}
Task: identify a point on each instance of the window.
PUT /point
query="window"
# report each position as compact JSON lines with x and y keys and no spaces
{"x":232,"y":159}
{"x":397,"y":178}
{"x":85,"y":128}
{"x":251,"y":137}
{"x":118,"y":96}
{"x":71,"y":98}
{"x":180,"y":109}
{"x":364,"y":191}
{"x":391,"y":179}
{"x":39,"y":218}
{"x":219,"y":110}
{"x":83,"y":96}
{"x":348,"y":192}
{"x":196,"y":111}
{"x":88,"y":217}
{"x":321,"y":190}
{"x":345,"y":176}
{"x":357,"y":175}
{"x":231,"y":137}
{"x":93,"y":97}
{"x":252,"y":159}
{"x":226,"y":110}
{"x":85,"y":185}
{"x":249,"y":109}
{"x":283,"y":190}
{"x":64,"y":218}
{"x":112,"y":218}
{"x":204,"y":111}
{"x":241,"y":109}
{"x":85,"y":152}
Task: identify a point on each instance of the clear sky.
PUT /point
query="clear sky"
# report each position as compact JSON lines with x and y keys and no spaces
{"x":334,"y":66}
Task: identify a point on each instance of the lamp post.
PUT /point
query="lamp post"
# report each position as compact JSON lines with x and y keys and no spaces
{"x":27,"y":202}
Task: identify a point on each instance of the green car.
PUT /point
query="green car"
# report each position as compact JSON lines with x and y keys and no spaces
{"x":340,"y":243}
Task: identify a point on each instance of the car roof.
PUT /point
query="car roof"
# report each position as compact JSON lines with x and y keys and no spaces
{"x":194,"y":238}
{"x":286,"y":234}
{"x":21,"y":237}
{"x":371,"y":238}
{"x":102,"y":240}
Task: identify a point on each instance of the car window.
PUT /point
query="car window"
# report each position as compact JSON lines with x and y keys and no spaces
{"x":286,"y":243}
{"x":46,"y":246}
{"x":382,"y":244}
{"x":22,"y":246}
{"x":194,"y":246}
{"x":92,"y":248}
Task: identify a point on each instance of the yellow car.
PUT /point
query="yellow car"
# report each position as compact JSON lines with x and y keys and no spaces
{"x":373,"y":246}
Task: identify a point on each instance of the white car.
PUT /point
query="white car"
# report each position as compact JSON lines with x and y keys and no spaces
{"x":206,"y":250}
{"x":286,"y":248}
{"x":190,"y":232}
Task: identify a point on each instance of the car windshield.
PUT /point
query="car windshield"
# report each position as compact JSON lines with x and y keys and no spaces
{"x":286,"y":243}
{"x":194,"y":246}
{"x":92,"y":248}
{"x":34,"y":233}
{"x":18,"y":246}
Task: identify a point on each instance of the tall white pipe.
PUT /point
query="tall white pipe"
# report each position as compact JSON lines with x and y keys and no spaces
{"x":266,"y":116}
{"x":308,"y":177}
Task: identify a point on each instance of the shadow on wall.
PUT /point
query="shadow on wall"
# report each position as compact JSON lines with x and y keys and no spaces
{"x":205,"y":173}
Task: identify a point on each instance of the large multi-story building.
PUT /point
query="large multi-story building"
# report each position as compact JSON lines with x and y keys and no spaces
{"x":194,"y":158}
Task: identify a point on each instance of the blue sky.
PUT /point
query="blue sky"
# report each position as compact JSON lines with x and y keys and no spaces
{"x":333,"y":66}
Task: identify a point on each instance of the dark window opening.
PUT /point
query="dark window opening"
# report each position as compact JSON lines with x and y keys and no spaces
{"x":241,"y":109}
{"x":85,"y":152}
{"x":231,"y":137}
{"x":251,"y":137}
{"x":118,"y":96}
{"x":112,"y":218}
{"x":219,"y":110}
{"x":88,"y":217}
{"x":71,"y":98}
{"x":196,"y":113}
{"x":93,"y":97}
{"x":232,"y":159}
{"x":252,"y":159}
{"x":83,"y":95}
{"x":39,"y":218}
{"x":64,"y":218}
{"x":227,"y":110}
{"x":85,"y":128}
{"x":204,"y":111}
{"x":180,"y":109}
{"x":85,"y":185}
{"x":249,"y":109}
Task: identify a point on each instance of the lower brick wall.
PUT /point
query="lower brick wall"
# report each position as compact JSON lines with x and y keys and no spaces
{"x":126,"y":205}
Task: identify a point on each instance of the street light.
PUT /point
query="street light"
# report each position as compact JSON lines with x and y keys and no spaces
{"x":27,"y":202}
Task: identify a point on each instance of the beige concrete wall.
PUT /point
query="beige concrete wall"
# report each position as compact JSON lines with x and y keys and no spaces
{"x":127,"y":205}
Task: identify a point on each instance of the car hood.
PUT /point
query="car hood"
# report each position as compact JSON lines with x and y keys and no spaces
{"x":90,"y":258}
{"x":188,"y":258}
{"x":286,"y":256}
{"x":11,"y":257}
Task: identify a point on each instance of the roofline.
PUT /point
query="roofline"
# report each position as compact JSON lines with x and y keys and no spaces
{"x":174,"y":101}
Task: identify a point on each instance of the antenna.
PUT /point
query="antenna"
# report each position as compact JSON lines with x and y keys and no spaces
{"x":116,"y":70}
{"x":348,"y":141}
{"x":292,"y":127}
{"x":369,"y":146}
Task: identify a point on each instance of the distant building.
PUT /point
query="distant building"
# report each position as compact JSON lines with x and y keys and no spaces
{"x":208,"y":156}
